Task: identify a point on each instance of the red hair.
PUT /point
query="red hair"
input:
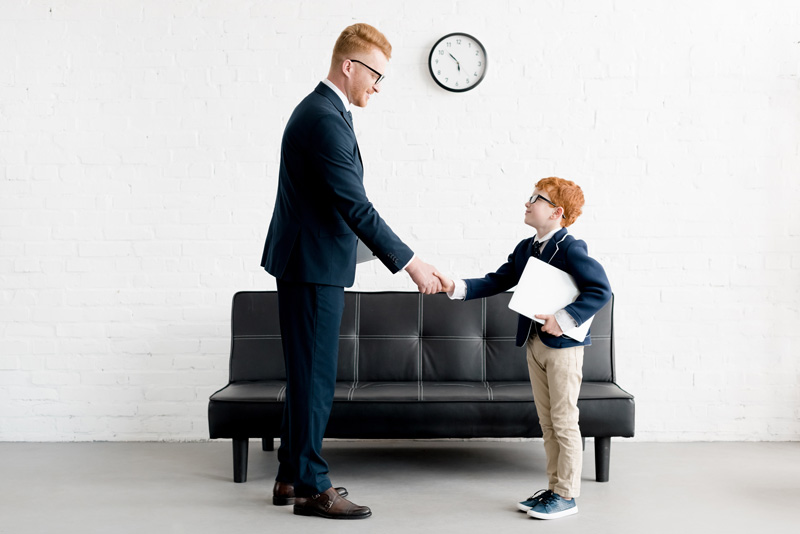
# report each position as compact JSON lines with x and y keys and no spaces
{"x":360,"y":39}
{"x":565,"y":194}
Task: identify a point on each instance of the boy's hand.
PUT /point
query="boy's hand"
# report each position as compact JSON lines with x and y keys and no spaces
{"x":550,"y":325}
{"x":447,"y":284}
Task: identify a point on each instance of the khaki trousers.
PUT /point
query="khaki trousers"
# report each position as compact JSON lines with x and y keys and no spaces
{"x":556,"y":376}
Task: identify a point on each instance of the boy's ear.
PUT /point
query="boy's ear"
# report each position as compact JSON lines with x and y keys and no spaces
{"x":558,"y":213}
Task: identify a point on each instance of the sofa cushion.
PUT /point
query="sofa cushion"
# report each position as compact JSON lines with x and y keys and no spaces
{"x":275,"y":391}
{"x":420,"y":391}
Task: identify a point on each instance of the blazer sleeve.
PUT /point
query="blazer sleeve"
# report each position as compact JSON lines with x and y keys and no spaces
{"x":342,"y":181}
{"x":591,"y":279}
{"x":503,"y":279}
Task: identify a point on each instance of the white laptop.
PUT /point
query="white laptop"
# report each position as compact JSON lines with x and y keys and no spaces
{"x":544,"y":289}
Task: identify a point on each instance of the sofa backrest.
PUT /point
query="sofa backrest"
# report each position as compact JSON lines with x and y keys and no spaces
{"x":401,"y":336}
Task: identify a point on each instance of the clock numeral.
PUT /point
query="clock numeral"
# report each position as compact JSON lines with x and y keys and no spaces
{"x":467,"y":81}
{"x":458,"y":41}
{"x":441,"y":52}
{"x":475,"y":74}
{"x":446,"y":80}
{"x":479,"y":63}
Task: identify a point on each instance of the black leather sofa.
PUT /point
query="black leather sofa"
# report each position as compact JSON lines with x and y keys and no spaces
{"x":413,"y":367}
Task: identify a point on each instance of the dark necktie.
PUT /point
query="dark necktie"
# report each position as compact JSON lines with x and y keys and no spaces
{"x":537,"y":249}
{"x":350,"y":116}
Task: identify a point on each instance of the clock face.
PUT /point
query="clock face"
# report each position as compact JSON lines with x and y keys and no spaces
{"x":457,"y":62}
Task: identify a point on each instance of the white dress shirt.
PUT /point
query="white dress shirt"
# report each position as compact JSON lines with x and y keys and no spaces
{"x":340,"y":94}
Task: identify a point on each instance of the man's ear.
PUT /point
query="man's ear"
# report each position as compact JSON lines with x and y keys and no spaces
{"x":347,"y":67}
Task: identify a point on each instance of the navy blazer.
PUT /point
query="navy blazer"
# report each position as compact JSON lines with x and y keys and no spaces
{"x":321,"y":207}
{"x":563,"y":252}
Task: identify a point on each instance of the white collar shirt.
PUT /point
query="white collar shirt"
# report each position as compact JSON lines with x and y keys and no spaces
{"x":338,"y":92}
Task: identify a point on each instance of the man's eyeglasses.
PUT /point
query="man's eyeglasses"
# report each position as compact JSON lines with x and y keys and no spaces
{"x":380,"y":76}
{"x":534,"y":198}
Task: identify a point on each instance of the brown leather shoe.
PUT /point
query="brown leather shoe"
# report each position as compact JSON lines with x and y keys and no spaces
{"x":283,"y":493}
{"x":330,"y":505}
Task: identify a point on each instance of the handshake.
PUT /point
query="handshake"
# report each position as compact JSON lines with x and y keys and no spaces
{"x":427,"y":278}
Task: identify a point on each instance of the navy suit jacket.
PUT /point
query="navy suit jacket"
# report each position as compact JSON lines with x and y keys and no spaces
{"x":563,"y":252}
{"x":321,"y":207}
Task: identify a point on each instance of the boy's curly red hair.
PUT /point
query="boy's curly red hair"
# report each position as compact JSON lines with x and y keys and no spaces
{"x":565,"y":194}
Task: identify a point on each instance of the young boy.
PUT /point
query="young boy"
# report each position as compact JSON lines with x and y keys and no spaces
{"x":555,"y":362}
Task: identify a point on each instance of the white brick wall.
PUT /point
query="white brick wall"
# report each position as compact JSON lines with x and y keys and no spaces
{"x":139,"y":147}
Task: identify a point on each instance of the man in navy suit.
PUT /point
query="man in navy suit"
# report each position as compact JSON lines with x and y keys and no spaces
{"x":555,"y":361}
{"x":321,"y":211}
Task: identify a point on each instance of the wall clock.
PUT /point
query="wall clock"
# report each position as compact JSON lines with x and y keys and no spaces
{"x":457,"y":62}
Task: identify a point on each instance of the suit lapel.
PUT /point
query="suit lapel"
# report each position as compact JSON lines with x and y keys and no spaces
{"x":551,"y":246}
{"x":348,"y":117}
{"x":334,"y":99}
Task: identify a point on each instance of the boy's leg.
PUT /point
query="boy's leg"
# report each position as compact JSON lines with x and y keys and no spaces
{"x":564,"y":374}
{"x":541,"y":397}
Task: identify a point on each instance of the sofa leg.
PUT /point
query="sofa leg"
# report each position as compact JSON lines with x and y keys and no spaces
{"x":583,"y":443}
{"x":240,"y":450}
{"x":267,"y":444}
{"x":602,"y":457}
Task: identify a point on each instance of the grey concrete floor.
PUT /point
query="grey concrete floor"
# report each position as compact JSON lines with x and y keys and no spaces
{"x":412,"y":486}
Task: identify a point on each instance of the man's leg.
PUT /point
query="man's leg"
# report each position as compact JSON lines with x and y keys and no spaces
{"x":286,"y":470}
{"x":310,"y":317}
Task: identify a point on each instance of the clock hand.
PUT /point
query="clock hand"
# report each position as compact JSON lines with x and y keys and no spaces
{"x":457,"y":63}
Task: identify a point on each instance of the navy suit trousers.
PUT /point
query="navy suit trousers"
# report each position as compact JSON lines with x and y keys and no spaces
{"x":310,"y":319}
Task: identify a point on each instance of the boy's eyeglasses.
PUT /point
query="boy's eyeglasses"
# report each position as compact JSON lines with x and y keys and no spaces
{"x":380,"y":76}
{"x":534,"y":198}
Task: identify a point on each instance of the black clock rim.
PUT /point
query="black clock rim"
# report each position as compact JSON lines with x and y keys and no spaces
{"x":483,"y":74}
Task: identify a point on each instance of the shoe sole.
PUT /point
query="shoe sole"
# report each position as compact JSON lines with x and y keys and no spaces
{"x":555,"y":515}
{"x":313,"y":513}
{"x":522,"y":508}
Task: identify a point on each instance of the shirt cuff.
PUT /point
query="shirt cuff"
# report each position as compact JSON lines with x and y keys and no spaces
{"x":565,"y":320}
{"x":407,"y":264}
{"x":459,"y":290}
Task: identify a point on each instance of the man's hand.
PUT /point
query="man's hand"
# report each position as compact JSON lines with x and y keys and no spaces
{"x":424,"y":275}
{"x":447,"y":284}
{"x":550,"y":325}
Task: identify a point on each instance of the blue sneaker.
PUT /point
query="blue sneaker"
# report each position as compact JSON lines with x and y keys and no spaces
{"x":534,"y":499}
{"x":553,"y":507}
